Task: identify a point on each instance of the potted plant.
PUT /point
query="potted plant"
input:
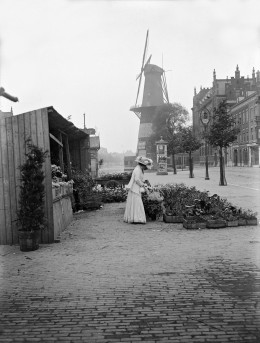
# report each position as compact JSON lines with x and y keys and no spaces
{"x":152,"y":201}
{"x":194,"y":222}
{"x":173,"y":214}
{"x":247,"y":217}
{"x":230,"y":215}
{"x":85,"y":198}
{"x":31,"y":200}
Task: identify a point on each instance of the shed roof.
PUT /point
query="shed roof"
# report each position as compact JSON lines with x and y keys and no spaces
{"x":58,"y":122}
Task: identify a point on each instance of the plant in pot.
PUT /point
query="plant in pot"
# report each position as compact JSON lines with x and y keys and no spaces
{"x":192,"y":218}
{"x":247,"y":217}
{"x":173,"y":213}
{"x":230,"y":214}
{"x":152,"y":201}
{"x":85,"y":197}
{"x":31,"y":212}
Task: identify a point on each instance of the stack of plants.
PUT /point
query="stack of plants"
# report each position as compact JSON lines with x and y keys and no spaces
{"x":111,"y":194}
{"x":153,"y":203}
{"x":196,"y":207}
{"x":84,"y":196}
{"x":114,"y":176}
{"x":89,"y":195}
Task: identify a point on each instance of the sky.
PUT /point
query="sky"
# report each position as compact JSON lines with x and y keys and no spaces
{"x":83,"y":56}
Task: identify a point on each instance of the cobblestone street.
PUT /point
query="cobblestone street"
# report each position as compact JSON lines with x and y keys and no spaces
{"x":108,"y":281}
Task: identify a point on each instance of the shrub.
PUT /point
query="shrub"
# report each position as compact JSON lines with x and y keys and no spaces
{"x":115,"y":176}
{"x":31,"y":213}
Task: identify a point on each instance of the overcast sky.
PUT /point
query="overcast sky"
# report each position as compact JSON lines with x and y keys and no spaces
{"x":83,"y":56}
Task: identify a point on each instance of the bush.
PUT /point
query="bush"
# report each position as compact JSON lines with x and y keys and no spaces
{"x":31,"y":213}
{"x":110,"y":195}
{"x":115,"y":176}
{"x":112,"y":184}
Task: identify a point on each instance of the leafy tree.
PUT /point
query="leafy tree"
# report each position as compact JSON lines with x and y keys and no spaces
{"x":31,"y":212}
{"x":221,"y":134}
{"x":167,"y":123}
{"x":189,"y":143}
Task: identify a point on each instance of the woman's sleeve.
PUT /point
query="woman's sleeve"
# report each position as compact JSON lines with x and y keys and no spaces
{"x":139,"y":177}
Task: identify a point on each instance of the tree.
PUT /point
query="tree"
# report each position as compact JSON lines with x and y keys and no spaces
{"x":167,"y":123}
{"x":221,"y":134}
{"x":189,"y":143}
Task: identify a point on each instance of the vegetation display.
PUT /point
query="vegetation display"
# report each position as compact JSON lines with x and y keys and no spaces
{"x":114,"y":176}
{"x":31,"y":215}
{"x":222,"y":132}
{"x":188,"y":144}
{"x":170,"y":199}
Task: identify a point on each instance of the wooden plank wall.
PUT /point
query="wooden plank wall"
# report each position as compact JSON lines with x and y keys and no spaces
{"x":13,"y":133}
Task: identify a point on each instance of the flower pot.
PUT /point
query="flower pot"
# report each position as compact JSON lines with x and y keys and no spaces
{"x":232,"y":223}
{"x":29,"y":240}
{"x":172,"y":219}
{"x":193,"y":224}
{"x":153,"y":217}
{"x":216,"y":223}
{"x":252,"y":221}
{"x":241,"y":222}
{"x":91,"y":202}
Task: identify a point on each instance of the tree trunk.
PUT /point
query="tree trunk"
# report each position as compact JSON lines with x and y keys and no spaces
{"x":222,"y":181}
{"x":174,"y":164}
{"x":191,"y":165}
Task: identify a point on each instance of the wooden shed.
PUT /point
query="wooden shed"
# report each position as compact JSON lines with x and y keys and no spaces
{"x":66,"y":144}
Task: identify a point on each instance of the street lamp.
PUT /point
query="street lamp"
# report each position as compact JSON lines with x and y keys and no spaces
{"x":205,"y":118}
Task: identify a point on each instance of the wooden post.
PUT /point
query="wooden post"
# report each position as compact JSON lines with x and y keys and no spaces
{"x":68,"y":157}
{"x":61,"y":153}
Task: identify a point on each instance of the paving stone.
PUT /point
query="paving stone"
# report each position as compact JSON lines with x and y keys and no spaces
{"x":146,"y":285}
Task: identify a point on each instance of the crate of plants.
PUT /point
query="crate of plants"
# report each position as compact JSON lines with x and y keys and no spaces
{"x":194,"y":222}
{"x":117,"y":179}
{"x":247,"y":217}
{"x":91,"y":201}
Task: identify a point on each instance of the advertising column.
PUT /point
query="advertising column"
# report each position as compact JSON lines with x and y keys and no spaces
{"x":161,"y":152}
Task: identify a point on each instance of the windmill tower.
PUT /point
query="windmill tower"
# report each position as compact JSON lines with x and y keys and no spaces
{"x":155,"y":94}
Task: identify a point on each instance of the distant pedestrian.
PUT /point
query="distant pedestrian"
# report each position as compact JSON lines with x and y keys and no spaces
{"x":134,"y":211}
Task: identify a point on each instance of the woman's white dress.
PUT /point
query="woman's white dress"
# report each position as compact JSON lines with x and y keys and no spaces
{"x":134,"y":211}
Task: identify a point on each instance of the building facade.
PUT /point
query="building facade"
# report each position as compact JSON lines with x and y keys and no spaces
{"x":242,"y":97}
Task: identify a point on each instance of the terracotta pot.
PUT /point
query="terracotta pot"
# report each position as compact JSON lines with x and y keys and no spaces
{"x":232,"y":223}
{"x":216,"y":223}
{"x":193,"y":225}
{"x":29,"y":240}
{"x":172,"y":219}
{"x":252,"y":221}
{"x":241,"y":222}
{"x":152,"y":217}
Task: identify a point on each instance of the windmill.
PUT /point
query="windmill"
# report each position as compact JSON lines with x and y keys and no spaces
{"x":155,"y":94}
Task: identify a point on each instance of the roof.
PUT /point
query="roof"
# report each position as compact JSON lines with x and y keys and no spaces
{"x":58,"y":122}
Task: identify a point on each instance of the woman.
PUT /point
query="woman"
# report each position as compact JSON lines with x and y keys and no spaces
{"x":134,"y":211}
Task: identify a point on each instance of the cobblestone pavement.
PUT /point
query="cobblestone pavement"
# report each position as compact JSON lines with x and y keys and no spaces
{"x":108,"y":281}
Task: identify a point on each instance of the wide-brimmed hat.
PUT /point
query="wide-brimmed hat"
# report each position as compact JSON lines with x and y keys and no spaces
{"x":145,"y":161}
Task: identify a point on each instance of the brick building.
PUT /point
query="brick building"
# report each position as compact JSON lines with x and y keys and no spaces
{"x":242,"y":96}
